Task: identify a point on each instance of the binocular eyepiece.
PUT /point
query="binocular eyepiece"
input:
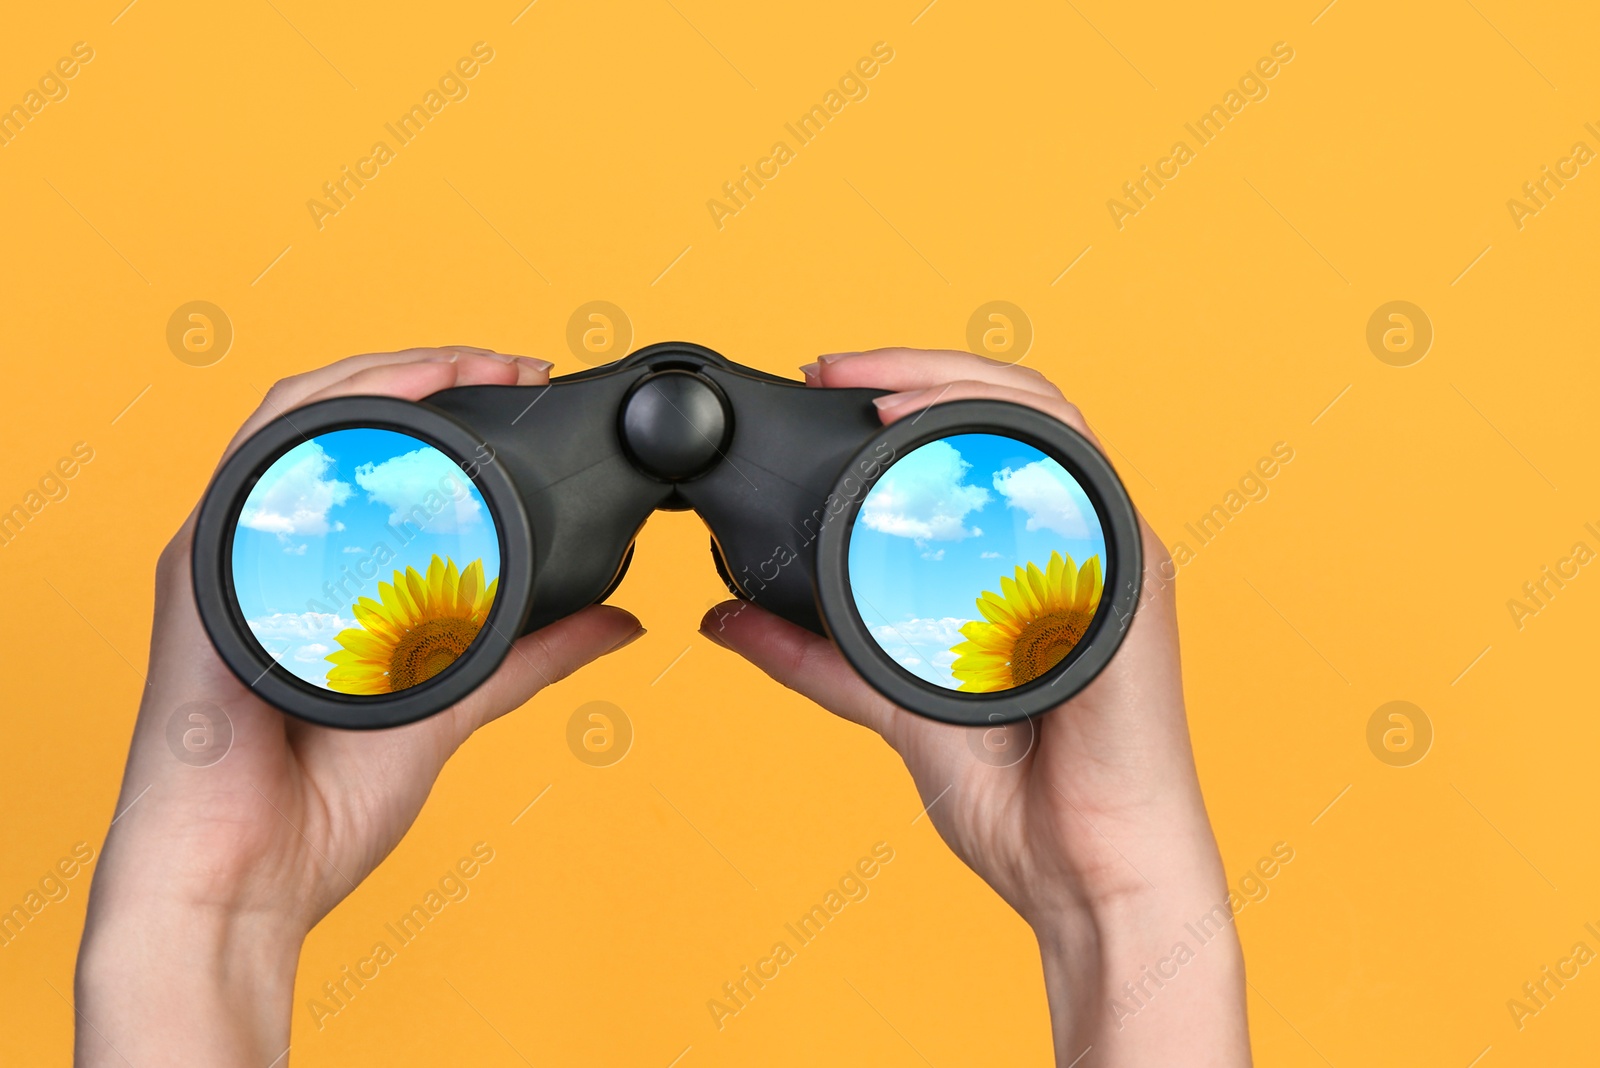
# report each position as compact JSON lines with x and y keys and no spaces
{"x":364,"y":562}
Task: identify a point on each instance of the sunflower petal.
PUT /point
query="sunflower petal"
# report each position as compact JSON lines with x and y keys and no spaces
{"x":470,"y":586}
{"x":1071,"y":577}
{"x":1021,"y":600}
{"x":1089,"y":584}
{"x":1038,"y":586}
{"x":347,"y":672}
{"x":416,"y":590}
{"x":367,"y":645}
{"x":394,"y":601}
{"x":987,"y":684}
{"x":1025,"y":587}
{"x":450,"y":585}
{"x":366,"y":608}
{"x":370,"y":614}
{"x":434,"y":581}
{"x":991,"y":640}
{"x":993,"y":607}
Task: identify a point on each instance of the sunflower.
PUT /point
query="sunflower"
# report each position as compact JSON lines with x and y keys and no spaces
{"x":1036,"y":619}
{"x":421,"y":626}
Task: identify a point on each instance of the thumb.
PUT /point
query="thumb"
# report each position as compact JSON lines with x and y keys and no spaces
{"x":546,"y":656}
{"x":805,"y":662}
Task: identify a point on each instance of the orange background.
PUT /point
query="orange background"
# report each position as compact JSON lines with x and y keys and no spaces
{"x":1226,"y":316}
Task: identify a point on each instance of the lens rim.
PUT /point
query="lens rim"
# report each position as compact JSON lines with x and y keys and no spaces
{"x":1118,"y":522}
{"x":213,"y":563}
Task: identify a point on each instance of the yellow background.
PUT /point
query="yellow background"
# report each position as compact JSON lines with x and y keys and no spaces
{"x":1223,"y":318}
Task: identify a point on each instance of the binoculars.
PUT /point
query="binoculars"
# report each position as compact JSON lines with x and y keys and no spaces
{"x":363,"y":562}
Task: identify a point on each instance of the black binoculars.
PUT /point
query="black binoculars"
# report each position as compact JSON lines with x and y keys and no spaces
{"x":364,"y":562}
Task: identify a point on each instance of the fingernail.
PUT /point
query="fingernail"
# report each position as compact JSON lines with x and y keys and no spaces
{"x":503,"y":357}
{"x":629,"y":640}
{"x":812,"y":372}
{"x":709,"y":636}
{"x":535,"y":363}
{"x":444,"y":357}
{"x":833,"y":357}
{"x":895,"y":400}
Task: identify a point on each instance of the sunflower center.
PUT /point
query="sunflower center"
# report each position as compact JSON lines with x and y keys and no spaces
{"x":428,"y":648}
{"x":1044,"y":641}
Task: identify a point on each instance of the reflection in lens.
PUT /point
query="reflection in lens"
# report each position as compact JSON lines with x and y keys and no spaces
{"x":365,"y":561}
{"x":977,"y":562}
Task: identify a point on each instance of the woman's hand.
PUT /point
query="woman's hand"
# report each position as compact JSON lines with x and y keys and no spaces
{"x":211,"y":877}
{"x":1098,"y":834}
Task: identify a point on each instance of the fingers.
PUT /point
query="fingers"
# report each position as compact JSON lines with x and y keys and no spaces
{"x":293,"y":391}
{"x":412,"y":375}
{"x":922,"y":377}
{"x":897,"y":406}
{"x":807,"y":663}
{"x":414,"y":381}
{"x":544,"y":657}
{"x":532,"y":371}
{"x":902,"y":370}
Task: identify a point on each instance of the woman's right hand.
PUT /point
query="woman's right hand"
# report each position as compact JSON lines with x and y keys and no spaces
{"x":1098,"y":835}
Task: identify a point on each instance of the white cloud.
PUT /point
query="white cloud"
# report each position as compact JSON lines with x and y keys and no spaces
{"x":294,"y":496}
{"x":297,"y":628}
{"x":935,"y":554}
{"x":297,"y":550}
{"x":300,"y":640}
{"x":424,"y":488}
{"x":304,"y":637}
{"x":1044,"y":490}
{"x":981,"y":556}
{"x":352,"y":549}
{"x":924,"y":498}
{"x":922,"y":646}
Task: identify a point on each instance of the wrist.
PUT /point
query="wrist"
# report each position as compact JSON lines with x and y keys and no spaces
{"x":184,"y":985}
{"x":1152,"y":978}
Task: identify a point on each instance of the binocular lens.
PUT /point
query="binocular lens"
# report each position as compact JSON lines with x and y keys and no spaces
{"x":365,"y":561}
{"x":977,"y":562}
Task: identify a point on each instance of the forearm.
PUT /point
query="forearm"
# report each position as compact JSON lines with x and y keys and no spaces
{"x":184,"y":987}
{"x":1156,"y":981}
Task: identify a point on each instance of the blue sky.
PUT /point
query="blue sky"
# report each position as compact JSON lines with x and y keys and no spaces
{"x":943,"y":524}
{"x":334,"y":510}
